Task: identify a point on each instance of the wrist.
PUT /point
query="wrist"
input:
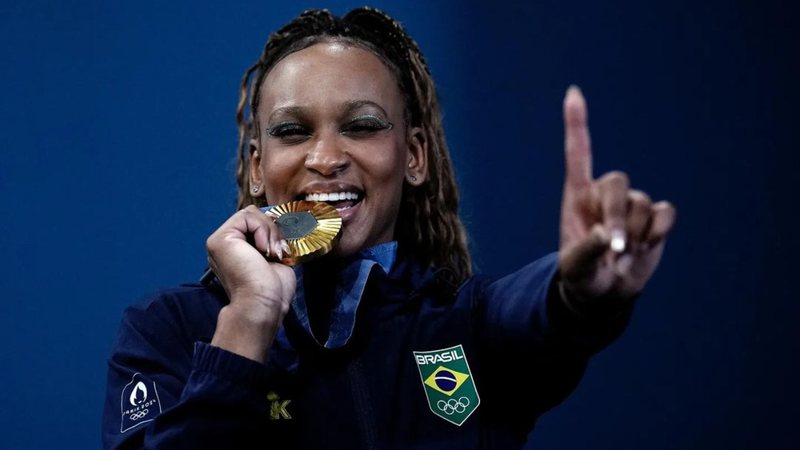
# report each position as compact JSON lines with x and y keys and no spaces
{"x":246,"y":332}
{"x":583,"y":304}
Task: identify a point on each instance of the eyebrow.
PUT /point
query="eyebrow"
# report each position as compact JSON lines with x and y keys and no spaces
{"x":349,"y":106}
{"x":355,"y":104}
{"x":297,"y":111}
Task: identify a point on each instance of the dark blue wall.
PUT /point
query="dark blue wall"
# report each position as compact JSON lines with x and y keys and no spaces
{"x":117,"y":138}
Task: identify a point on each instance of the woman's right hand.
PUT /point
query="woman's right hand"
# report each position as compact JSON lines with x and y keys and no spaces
{"x":260,"y":291}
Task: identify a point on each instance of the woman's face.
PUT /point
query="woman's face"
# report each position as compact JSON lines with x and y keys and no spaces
{"x":331,"y":128}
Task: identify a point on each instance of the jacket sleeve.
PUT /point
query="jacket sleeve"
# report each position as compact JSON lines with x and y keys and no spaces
{"x":525,"y":328}
{"x":166,"y":391}
{"x":526,"y":306}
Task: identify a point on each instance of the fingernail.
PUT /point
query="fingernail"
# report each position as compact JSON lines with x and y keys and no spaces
{"x":600,"y":232}
{"x":624,"y":264}
{"x":617,"y":241}
{"x":276,"y":250}
{"x":285,"y":247}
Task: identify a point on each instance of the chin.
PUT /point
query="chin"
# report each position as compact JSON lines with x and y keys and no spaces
{"x":342,"y":251}
{"x":347,"y":247}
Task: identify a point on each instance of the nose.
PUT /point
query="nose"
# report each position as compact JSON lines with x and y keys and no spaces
{"x":326,"y":157}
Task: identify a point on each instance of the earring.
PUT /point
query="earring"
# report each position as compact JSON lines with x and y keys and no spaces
{"x":255,"y":189}
{"x":413,"y":178}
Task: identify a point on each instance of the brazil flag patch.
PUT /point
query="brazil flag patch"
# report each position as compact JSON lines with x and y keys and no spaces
{"x":448,"y":383}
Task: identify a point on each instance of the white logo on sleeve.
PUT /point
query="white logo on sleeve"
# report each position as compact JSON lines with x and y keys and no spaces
{"x":140,"y":407}
{"x":139,"y":394}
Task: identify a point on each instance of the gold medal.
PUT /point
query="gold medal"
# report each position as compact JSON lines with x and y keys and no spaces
{"x":310,"y":229}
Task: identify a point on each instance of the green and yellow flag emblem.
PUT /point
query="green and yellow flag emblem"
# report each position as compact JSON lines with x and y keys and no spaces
{"x":448,"y":383}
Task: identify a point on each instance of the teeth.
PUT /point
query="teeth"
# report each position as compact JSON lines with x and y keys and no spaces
{"x":331,"y":196}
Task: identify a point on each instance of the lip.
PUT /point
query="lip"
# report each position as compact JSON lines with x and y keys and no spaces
{"x":349,"y":213}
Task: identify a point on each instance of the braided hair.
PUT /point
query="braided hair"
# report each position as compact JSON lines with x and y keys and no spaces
{"x":428,"y":223}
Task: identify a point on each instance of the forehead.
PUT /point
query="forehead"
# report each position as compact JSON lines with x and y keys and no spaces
{"x":328,"y":74}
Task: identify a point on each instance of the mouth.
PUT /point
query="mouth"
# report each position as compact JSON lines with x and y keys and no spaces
{"x":341,"y":200}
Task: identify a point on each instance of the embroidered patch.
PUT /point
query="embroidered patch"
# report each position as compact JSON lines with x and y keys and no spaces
{"x":139,"y":402}
{"x":448,"y":383}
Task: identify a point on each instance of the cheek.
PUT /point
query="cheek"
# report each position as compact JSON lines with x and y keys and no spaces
{"x":386,"y":165}
{"x":278,"y":168}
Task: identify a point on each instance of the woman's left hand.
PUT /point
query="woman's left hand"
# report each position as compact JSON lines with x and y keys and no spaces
{"x":612,"y":236}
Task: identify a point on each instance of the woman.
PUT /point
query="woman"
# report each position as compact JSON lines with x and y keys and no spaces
{"x":389,"y":341}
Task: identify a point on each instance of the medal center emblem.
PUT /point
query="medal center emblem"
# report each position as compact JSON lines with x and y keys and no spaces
{"x":296,"y":225}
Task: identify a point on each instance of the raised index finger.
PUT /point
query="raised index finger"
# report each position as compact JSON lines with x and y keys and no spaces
{"x":577,"y":145}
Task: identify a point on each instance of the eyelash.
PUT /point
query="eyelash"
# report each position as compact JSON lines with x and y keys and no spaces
{"x":288,"y":130}
{"x":364,"y":126}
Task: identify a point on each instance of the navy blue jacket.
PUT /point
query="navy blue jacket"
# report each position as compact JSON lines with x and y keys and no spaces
{"x":169,"y":389}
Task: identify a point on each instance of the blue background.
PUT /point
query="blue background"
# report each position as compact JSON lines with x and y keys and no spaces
{"x":117,"y":135}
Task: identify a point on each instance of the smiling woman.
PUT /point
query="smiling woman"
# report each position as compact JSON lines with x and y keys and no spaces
{"x":428,"y":207}
{"x":329,"y":113}
{"x":388,"y":341}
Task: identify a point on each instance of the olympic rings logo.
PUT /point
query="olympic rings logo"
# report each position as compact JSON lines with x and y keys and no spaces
{"x":453,"y":406}
{"x":139,"y":415}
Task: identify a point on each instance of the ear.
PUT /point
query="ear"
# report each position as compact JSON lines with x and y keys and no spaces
{"x":417,"y":157}
{"x":256,"y":180}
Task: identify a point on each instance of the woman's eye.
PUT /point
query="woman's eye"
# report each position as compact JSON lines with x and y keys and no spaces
{"x":365,"y":127}
{"x":289,"y":131}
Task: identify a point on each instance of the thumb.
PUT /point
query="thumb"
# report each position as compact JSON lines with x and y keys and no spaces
{"x":579,"y":261}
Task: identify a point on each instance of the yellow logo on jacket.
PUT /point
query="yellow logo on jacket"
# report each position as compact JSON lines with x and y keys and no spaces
{"x":277,"y":408}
